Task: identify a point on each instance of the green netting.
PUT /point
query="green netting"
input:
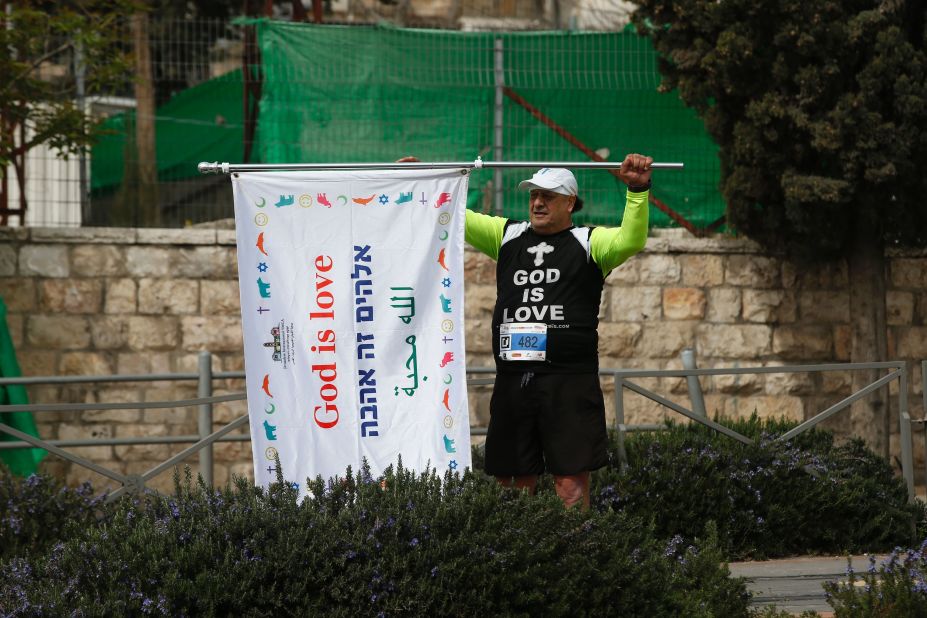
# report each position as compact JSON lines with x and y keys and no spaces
{"x":373,"y":94}
{"x":202,"y":123}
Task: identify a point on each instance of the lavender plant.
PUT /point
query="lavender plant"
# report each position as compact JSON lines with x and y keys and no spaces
{"x":406,"y":544}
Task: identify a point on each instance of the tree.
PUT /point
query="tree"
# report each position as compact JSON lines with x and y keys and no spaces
{"x":39,"y":45}
{"x":819,"y":109}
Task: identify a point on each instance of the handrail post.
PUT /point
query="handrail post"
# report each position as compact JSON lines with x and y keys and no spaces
{"x":619,"y":423}
{"x":924,"y":412}
{"x":204,"y":422}
{"x":904,"y":419}
{"x":695,"y":387}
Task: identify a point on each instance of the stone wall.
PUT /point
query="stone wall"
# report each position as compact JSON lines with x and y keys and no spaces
{"x":127,"y":301}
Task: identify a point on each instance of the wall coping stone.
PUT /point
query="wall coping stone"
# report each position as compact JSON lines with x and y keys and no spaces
{"x":96,"y":235}
{"x":659,"y":241}
{"x":177,"y":236}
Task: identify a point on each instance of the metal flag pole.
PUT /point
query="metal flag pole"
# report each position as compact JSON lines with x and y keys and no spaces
{"x":230,"y":168}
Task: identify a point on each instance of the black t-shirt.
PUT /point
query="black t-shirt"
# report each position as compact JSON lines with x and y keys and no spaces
{"x":549,"y":280}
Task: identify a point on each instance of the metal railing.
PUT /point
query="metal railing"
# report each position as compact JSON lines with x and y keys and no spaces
{"x":205,"y":438}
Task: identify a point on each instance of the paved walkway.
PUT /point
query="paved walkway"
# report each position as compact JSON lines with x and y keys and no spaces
{"x":794,"y":584}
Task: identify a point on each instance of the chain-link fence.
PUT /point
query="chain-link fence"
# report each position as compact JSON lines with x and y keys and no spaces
{"x":500,"y":80}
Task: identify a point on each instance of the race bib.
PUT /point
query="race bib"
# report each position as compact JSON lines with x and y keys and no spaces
{"x":523,"y":341}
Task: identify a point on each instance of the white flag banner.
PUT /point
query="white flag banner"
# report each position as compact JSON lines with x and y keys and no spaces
{"x":352,"y":300}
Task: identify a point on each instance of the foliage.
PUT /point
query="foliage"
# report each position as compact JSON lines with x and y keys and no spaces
{"x":818,"y":108}
{"x":38,"y":43}
{"x":409,"y":544}
{"x":895,"y":589}
{"x":769,"y":499}
{"x":38,"y":511}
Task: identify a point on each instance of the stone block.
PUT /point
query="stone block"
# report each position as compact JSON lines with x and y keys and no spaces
{"x":824,"y":306}
{"x":58,"y":332}
{"x":109,"y":332}
{"x":44,"y":261}
{"x":159,"y":333}
{"x":907,"y":273}
{"x":769,"y":306}
{"x":85,"y":364}
{"x":18,"y":294}
{"x":911,"y":342}
{"x":723,"y":305}
{"x":148,"y":262}
{"x":640,"y":410}
{"x":629,"y":272}
{"x":223,"y":298}
{"x":666,"y":340}
{"x":633,"y":304}
{"x":70,"y":296}
{"x":34,"y":362}
{"x":920,"y":308}
{"x":481,"y":300}
{"x":737,"y":383}
{"x":119,"y":394}
{"x":215,"y":334}
{"x":479,"y":406}
{"x":479,"y":336}
{"x":836,"y":383}
{"x":752,"y":271}
{"x":658,"y":269}
{"x":797,"y":383}
{"x":479,"y":268}
{"x":804,"y":343}
{"x":203,"y":262}
{"x":789,"y":275}
{"x":229,"y":452}
{"x":702,"y":270}
{"x":98,"y":261}
{"x":790,"y":408}
{"x":683,"y":303}
{"x":168,"y":296}
{"x":87,"y":431}
{"x":16,"y":324}
{"x":133,"y":452}
{"x":226,"y":412}
{"x":120,"y":296}
{"x":226,"y":237}
{"x":822,"y":275}
{"x":733,"y":341}
{"x":899,"y":308}
{"x":843,"y":341}
{"x":7,"y":261}
{"x":618,"y":339}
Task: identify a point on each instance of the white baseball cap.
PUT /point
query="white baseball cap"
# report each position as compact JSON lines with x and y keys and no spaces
{"x":556,"y":179}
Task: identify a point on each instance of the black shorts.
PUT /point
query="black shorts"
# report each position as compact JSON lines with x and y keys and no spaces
{"x":546,"y":422}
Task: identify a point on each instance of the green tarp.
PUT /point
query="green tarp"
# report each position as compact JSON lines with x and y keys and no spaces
{"x":373,"y":94}
{"x":203,"y":123}
{"x":19,"y":461}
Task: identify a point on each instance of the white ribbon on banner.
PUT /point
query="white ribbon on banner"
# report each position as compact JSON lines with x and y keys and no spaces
{"x":352,"y":311}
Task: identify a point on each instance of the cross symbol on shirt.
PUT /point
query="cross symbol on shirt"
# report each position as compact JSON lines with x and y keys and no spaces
{"x":539,"y":252}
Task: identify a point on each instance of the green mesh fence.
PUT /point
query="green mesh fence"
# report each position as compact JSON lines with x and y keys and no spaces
{"x":373,"y":94}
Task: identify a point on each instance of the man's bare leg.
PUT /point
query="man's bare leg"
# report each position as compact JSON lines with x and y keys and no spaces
{"x":529,"y":482}
{"x":573,"y":489}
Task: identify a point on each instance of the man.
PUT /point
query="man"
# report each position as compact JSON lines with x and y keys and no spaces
{"x":547,"y":413}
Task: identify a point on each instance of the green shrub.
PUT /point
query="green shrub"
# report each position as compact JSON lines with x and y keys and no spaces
{"x":805,"y":496}
{"x":37,"y":511}
{"x":413,"y":545}
{"x":895,"y":589}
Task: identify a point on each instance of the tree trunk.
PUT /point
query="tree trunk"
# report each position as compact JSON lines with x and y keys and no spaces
{"x":149,"y":212}
{"x":869,"y":417}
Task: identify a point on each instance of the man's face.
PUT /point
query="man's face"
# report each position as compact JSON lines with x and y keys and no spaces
{"x":550,"y":212}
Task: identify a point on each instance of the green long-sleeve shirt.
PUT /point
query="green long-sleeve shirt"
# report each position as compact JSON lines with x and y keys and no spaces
{"x":609,"y":246}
